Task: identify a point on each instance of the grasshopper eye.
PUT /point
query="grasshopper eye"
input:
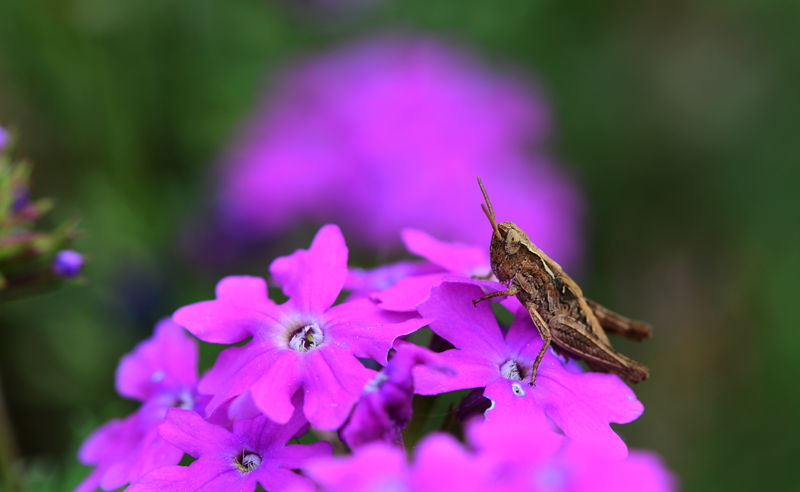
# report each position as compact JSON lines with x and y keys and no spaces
{"x":513,"y":240}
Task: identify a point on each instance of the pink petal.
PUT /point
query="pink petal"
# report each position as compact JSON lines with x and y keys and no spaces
{"x":386,"y":465}
{"x":236,"y":370}
{"x":314,"y":278}
{"x":151,"y":452}
{"x":466,"y":326}
{"x":471,"y":371}
{"x":276,"y":479}
{"x":240,"y":310}
{"x":279,"y":380}
{"x":168,"y":359}
{"x":364,"y":282}
{"x":407,"y":293}
{"x":460,"y":258}
{"x":243,"y":290}
{"x":297,"y":455}
{"x":188,"y":431}
{"x":333,"y":380}
{"x":368,"y":330}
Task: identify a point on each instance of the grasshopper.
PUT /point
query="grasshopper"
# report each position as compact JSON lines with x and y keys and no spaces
{"x":575,"y":325}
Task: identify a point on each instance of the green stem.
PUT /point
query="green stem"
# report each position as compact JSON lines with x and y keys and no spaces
{"x":9,"y":475}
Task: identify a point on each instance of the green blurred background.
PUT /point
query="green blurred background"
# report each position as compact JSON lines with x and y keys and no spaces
{"x":679,"y":120}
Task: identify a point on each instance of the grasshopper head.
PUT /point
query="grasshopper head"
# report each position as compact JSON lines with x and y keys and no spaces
{"x":505,"y":250}
{"x":507,"y":241}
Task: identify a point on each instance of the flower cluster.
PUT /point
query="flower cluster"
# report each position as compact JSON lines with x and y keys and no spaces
{"x":31,"y":259}
{"x":335,"y":367}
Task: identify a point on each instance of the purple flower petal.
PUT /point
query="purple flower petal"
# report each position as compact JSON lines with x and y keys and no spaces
{"x":243,"y":290}
{"x":253,"y":451}
{"x":333,"y":380}
{"x":384,"y":408}
{"x":406,"y":294}
{"x":463,"y":324}
{"x":467,"y":260}
{"x":152,"y":452}
{"x":364,"y":282}
{"x":272,"y":393}
{"x":206,"y":474}
{"x":374,"y":467}
{"x":237,"y":369}
{"x":187,"y":430}
{"x":282,"y":480}
{"x":240,"y":310}
{"x":368,"y":330}
{"x":314,"y":278}
{"x":168,"y":359}
{"x":471,"y":371}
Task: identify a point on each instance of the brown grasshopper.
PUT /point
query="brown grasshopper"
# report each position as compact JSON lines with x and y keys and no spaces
{"x":556,"y":304}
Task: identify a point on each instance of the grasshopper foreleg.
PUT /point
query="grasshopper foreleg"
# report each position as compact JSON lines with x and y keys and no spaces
{"x":512,"y":291}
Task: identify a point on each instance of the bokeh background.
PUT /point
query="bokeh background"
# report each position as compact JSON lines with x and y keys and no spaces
{"x":678,"y":120}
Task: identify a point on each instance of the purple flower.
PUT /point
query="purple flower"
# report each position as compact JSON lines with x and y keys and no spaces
{"x":535,"y":458}
{"x":580,"y":404}
{"x":161,"y":372}
{"x":510,"y":455}
{"x":440,"y":463}
{"x":254,"y":453}
{"x":384,"y":409}
{"x":4,"y":138}
{"x":391,"y":133}
{"x":304,"y":343}
{"x":67,"y":263}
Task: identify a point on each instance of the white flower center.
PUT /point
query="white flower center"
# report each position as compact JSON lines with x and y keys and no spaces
{"x":307,"y":337}
{"x":510,"y":370}
{"x":247,"y":461}
{"x":184,"y":400}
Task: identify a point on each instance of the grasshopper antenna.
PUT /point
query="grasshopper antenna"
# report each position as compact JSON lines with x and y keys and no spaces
{"x":490,"y":212}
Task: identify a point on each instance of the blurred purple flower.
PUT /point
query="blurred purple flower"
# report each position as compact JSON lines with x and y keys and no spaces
{"x":67,"y":263}
{"x":4,"y":138}
{"x":391,"y":133}
{"x":384,"y":409}
{"x":304,"y":343}
{"x":580,"y":404}
{"x":161,"y":372}
{"x":254,"y":453}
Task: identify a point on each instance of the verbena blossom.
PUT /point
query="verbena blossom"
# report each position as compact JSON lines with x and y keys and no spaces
{"x":531,"y":456}
{"x":384,"y":409}
{"x":580,"y":404}
{"x":254,"y":452}
{"x":391,"y":133}
{"x":161,"y":372}
{"x":304,"y":344}
{"x":508,"y":456}
{"x":4,"y":138}
{"x":440,"y":462}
